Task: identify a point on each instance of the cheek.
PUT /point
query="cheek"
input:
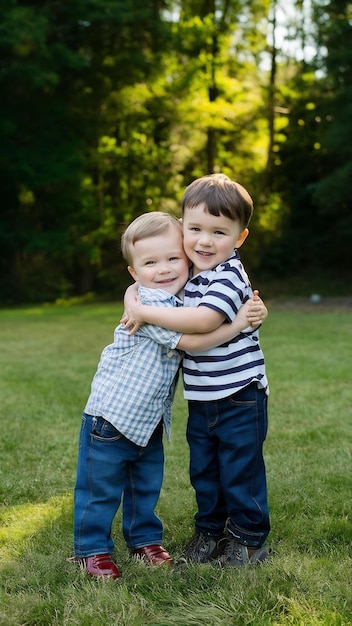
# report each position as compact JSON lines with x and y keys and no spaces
{"x":189,"y":253}
{"x":184,"y":271}
{"x":226,"y":247}
{"x":147,"y":274}
{"x":187,"y":242}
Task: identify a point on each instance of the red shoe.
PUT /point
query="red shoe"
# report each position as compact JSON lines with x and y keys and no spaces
{"x":100,"y":565}
{"x":153,"y":555}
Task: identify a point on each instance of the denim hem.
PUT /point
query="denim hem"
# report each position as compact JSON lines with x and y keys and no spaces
{"x":245,"y":537}
{"x":145,"y":544}
{"x":210,"y":532}
{"x":79,"y":555}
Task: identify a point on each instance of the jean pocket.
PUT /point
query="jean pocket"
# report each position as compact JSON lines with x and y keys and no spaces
{"x":246,"y":397}
{"x":102,"y":430}
{"x":234,"y":401}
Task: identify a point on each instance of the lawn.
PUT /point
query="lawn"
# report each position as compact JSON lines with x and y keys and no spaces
{"x":48,"y":357}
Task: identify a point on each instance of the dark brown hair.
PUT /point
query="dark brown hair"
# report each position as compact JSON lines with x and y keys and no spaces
{"x":221,"y":196}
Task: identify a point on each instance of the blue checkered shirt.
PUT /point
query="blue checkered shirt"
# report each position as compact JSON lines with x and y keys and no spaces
{"x":136,"y":378}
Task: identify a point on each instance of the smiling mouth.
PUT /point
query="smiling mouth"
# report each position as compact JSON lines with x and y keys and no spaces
{"x":206,"y":254}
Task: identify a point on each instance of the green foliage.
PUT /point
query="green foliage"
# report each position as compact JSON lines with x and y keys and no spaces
{"x":109,"y":109}
{"x":307,"y":581}
{"x":332,"y":191}
{"x":314,"y":164}
{"x":61,"y":62}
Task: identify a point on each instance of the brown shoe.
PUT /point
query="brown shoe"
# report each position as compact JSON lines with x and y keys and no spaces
{"x":153,"y":555}
{"x":100,"y":565}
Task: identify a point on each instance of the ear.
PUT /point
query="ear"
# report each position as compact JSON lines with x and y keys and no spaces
{"x":133,"y":273}
{"x":242,"y":238}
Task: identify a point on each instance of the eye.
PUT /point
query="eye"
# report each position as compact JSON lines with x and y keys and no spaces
{"x":219,"y":232}
{"x":174,"y":258}
{"x":195,"y":229}
{"x":150,"y":263}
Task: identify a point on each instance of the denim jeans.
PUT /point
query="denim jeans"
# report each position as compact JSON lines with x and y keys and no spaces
{"x":111,"y":467}
{"x":227,"y":467}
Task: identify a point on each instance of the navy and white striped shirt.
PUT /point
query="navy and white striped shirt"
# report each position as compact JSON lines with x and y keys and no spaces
{"x":135,"y":382}
{"x":226,"y":369}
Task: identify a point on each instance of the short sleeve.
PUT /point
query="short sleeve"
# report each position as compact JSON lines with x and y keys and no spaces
{"x":163,"y":336}
{"x":227,"y":292}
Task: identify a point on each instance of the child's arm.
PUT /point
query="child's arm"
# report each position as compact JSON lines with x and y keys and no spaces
{"x":183,"y":320}
{"x":192,"y":319}
{"x":205,"y":341}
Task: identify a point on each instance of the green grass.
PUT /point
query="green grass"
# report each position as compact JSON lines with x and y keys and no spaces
{"x":48,"y":357}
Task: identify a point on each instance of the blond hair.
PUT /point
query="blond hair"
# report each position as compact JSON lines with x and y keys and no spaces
{"x":146,"y":225}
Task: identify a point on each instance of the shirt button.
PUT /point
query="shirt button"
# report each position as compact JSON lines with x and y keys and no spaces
{"x":170,"y":353}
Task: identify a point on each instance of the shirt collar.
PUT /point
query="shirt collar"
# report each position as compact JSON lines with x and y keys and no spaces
{"x":202,"y":277}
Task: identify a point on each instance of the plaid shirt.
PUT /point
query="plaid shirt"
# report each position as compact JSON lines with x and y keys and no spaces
{"x":136,"y":378}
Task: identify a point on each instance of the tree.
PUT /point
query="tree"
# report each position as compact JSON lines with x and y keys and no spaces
{"x":110,"y":108}
{"x":60,"y":62}
{"x":332,"y":192}
{"x":314,"y":162}
{"x":222,"y":53}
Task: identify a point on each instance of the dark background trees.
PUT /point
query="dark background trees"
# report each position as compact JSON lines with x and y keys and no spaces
{"x":109,"y":109}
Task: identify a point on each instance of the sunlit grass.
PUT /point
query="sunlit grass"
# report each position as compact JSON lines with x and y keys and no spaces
{"x":20,"y":522}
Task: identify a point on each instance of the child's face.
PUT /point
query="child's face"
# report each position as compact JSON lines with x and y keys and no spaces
{"x":160,"y":262}
{"x":209,"y":239}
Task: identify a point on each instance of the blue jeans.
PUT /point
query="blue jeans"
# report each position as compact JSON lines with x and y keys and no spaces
{"x":109,"y":467}
{"x":227,"y":466}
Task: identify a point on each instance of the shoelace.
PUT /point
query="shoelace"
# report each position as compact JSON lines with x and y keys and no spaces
{"x":233,"y":548}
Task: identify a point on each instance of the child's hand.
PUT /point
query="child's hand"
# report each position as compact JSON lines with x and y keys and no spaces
{"x":257,"y":311}
{"x":129,"y":318}
{"x":131,"y":302}
{"x":129,"y":323}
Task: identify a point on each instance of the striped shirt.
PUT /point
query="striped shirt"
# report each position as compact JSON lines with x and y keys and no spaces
{"x":225,"y":370}
{"x":135,"y":382}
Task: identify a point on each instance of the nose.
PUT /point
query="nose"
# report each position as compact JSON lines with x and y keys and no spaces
{"x":163,"y":268}
{"x":205,"y":239}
